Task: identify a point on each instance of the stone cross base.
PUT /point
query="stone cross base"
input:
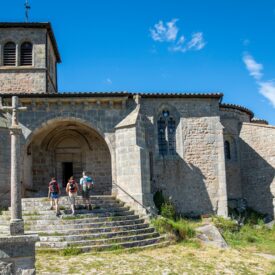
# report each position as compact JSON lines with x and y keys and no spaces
{"x":17,"y":227}
{"x":17,"y":254}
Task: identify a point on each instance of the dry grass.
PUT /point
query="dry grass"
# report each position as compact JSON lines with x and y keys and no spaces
{"x":184,"y":258}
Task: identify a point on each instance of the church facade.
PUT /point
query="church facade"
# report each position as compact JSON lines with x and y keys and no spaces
{"x":204,"y":155}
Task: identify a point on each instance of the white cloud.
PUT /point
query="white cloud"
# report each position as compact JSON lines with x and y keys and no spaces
{"x":267,"y":89}
{"x":168,"y":32}
{"x":165,"y":32}
{"x":109,"y":81}
{"x":179,"y":47}
{"x":197,"y":42}
{"x":253,"y":67}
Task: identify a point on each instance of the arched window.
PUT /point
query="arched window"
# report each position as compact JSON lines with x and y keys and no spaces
{"x":227,"y":149}
{"x":26,"y":54}
{"x":10,"y":54}
{"x":166,"y":134}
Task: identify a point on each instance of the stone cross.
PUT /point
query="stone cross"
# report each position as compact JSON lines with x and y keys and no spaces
{"x":16,"y":222}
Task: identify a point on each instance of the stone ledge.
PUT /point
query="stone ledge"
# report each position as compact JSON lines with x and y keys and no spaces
{"x":18,"y":253}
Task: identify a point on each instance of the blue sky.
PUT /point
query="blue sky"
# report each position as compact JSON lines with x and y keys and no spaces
{"x":163,"y":46}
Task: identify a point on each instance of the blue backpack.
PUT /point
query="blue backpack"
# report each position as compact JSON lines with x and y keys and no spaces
{"x":87,"y":183}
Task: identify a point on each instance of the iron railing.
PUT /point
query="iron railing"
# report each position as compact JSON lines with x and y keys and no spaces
{"x":147,"y":209}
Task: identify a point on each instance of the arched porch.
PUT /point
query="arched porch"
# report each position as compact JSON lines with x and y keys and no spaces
{"x":63,"y":148}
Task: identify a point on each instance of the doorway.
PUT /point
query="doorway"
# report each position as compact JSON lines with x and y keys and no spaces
{"x":67,"y":172}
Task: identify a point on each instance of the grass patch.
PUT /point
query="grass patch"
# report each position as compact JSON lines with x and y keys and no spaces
{"x":70,"y":251}
{"x":180,"y":229}
{"x":257,"y":237}
{"x":181,"y":258}
{"x":34,"y":213}
{"x":114,"y":247}
{"x":70,"y":217}
{"x":51,"y":234}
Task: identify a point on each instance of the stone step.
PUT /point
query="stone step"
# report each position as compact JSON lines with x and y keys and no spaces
{"x":78,"y":205}
{"x":65,"y":198}
{"x":93,"y":236}
{"x":109,"y":225}
{"x":89,"y":230}
{"x":47,"y":212}
{"x":4,"y":228}
{"x":113,"y":240}
{"x":72,"y":226}
{"x":76,"y":220}
{"x":130,"y":244}
{"x":52,"y":216}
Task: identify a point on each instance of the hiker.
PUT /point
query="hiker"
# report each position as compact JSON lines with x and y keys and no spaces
{"x":86,"y":183}
{"x":72,"y":189}
{"x":53,"y":194}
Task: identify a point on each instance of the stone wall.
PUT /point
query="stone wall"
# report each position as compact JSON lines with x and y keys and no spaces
{"x":257,"y":148}
{"x":18,"y":80}
{"x":194,"y":178}
{"x":51,"y":66}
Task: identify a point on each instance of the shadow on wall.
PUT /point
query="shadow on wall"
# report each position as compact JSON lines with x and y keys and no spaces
{"x":184,"y":185}
{"x":182,"y":182}
{"x":258,"y":180}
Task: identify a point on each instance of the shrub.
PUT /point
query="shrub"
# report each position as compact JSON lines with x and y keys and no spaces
{"x":158,"y":200}
{"x":225,"y":224}
{"x":180,"y":230}
{"x":183,"y":228}
{"x":168,"y":211}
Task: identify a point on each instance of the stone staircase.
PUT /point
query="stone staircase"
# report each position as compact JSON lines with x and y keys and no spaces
{"x":109,"y":225}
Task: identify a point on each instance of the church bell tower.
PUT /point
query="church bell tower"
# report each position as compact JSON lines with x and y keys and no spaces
{"x":28,"y":58}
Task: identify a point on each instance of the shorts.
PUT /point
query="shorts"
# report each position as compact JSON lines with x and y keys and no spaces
{"x":54,"y":195}
{"x":72,"y":197}
{"x":86,"y":194}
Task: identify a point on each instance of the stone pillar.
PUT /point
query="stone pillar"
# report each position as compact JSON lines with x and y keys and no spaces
{"x":16,"y":222}
{"x":222,"y":192}
{"x":132,"y":163}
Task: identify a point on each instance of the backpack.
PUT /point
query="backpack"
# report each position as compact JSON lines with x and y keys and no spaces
{"x":53,"y":187}
{"x":87,"y":183}
{"x":72,"y":186}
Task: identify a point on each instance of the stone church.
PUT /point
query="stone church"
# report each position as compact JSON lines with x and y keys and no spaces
{"x":204,"y":155}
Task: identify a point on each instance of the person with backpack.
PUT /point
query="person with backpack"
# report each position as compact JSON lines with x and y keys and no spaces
{"x":72,"y":189}
{"x":53,"y":194}
{"x":86,"y":183}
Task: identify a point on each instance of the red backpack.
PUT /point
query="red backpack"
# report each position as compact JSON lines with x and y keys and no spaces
{"x":72,"y":186}
{"x":53,"y":186}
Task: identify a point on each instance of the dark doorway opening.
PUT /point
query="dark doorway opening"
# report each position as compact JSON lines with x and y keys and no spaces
{"x":67,"y":172}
